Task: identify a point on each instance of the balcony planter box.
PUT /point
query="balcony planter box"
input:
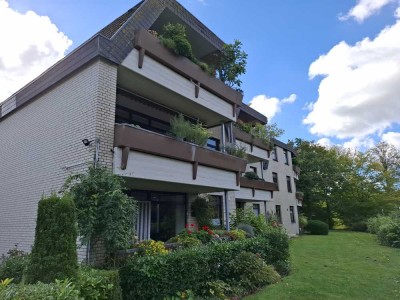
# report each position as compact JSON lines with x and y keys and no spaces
{"x":258,"y":184}
{"x":129,"y":138}
{"x":249,"y":139}
{"x":150,"y":45}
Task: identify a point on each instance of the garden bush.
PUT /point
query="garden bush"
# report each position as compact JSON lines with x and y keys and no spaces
{"x":250,"y":272}
{"x":389,"y":233}
{"x":99,"y":284}
{"x":54,"y":251}
{"x":246,"y":216}
{"x":374,"y":223}
{"x":248,"y":229}
{"x":317,"y":227}
{"x":160,"y":276}
{"x":60,"y":290}
{"x":13,"y":265}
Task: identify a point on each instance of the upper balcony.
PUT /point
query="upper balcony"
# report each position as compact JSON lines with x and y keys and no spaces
{"x":255,"y":148}
{"x":256,"y":190}
{"x":149,"y":160}
{"x":155,"y":72}
{"x":296,"y":171}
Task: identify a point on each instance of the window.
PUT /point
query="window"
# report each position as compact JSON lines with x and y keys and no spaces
{"x":240,"y":205}
{"x":274,"y":154}
{"x":253,"y":169}
{"x":256,"y":209}
{"x":286,"y":155}
{"x":215,"y":203}
{"x":213,"y":144}
{"x":289,"y":184}
{"x":292,"y":218}
{"x":278,"y":213}
{"x":275,"y":177}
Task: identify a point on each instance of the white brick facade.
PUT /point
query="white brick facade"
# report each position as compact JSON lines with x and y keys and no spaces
{"x":40,"y":145}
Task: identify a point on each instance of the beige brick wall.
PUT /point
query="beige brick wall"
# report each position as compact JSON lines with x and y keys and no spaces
{"x":39,"y":141}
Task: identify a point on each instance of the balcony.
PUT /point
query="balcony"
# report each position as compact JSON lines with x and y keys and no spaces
{"x":299,"y":197}
{"x":150,"y":160}
{"x":255,"y":148}
{"x":296,"y":171}
{"x":153,"y":71}
{"x":255,"y":190}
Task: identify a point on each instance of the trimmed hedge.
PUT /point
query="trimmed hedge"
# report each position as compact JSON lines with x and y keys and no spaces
{"x":96,"y":284}
{"x":54,"y":251}
{"x":317,"y":227}
{"x":155,"y":277}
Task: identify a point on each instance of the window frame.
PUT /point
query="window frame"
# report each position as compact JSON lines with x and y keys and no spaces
{"x":292,"y":214}
{"x":289,"y":184}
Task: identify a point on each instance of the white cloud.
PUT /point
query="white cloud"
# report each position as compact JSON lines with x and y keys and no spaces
{"x":30,"y":44}
{"x":392,"y":138}
{"x":325,"y":142}
{"x":364,"y":9}
{"x":397,"y":13}
{"x":269,"y":107}
{"x":360,"y":92}
{"x":359,"y":144}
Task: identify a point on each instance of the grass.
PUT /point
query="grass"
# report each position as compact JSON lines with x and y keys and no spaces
{"x":342,"y":265}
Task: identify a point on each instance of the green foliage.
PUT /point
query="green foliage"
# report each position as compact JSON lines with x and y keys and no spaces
{"x":374,"y":223}
{"x":161,"y":276}
{"x":317,"y":227}
{"x":236,"y":234}
{"x":232,"y":65}
{"x":235,"y":150}
{"x":99,"y":284}
{"x":151,"y":247}
{"x":104,"y":211}
{"x":303,"y":221}
{"x":217,"y":289}
{"x":249,"y":271}
{"x":184,"y":241}
{"x":174,"y":38}
{"x":251,"y":175}
{"x":202,"y":210}
{"x":13,"y":265}
{"x":266,"y":132}
{"x":54,"y":250}
{"x":185,"y":130}
{"x":60,"y":290}
{"x":204,"y":234}
{"x":248,"y":229}
{"x":246,"y":216}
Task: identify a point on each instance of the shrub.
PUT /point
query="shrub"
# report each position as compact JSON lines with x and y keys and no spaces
{"x":202,"y":210}
{"x":251,"y":175}
{"x":250,"y":272}
{"x":184,"y":241}
{"x":155,"y":277}
{"x":246,"y":216}
{"x":389,"y":233}
{"x":235,"y":150}
{"x":248,"y":229}
{"x":60,"y":290}
{"x":104,"y":211}
{"x":236,"y":234}
{"x":99,"y":284}
{"x":152,"y":248}
{"x":54,"y":250}
{"x":317,"y":227}
{"x":174,"y":38}
{"x":13,"y":267}
{"x":185,"y":130}
{"x":374,"y":223}
{"x":358,"y":226}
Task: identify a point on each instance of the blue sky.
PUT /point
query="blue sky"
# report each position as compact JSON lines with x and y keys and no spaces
{"x":352,"y":100}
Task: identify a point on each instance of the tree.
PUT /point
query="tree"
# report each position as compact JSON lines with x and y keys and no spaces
{"x":104,"y":211}
{"x":232,"y":65}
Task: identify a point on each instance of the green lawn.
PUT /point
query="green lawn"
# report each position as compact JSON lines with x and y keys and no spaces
{"x":342,"y":265}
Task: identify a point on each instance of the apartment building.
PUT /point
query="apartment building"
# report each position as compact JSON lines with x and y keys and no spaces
{"x":117,"y":92}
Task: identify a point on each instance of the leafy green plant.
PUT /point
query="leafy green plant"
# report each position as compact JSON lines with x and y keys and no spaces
{"x":374,"y":223}
{"x":152,"y":248}
{"x":96,"y":284}
{"x":202,"y":210}
{"x":246,"y":216}
{"x":60,"y":290}
{"x":14,"y":264}
{"x":251,"y":175}
{"x":235,"y":150}
{"x":317,"y":227}
{"x":248,"y":229}
{"x":184,"y":241}
{"x":236,"y":234}
{"x":54,"y":253}
{"x":389,"y":234}
{"x":104,"y":211}
{"x":232,"y":65}
{"x":185,"y":130}
{"x":174,"y":37}
{"x":266,"y":132}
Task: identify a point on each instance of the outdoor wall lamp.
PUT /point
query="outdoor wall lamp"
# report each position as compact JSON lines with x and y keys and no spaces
{"x":86,"y":142}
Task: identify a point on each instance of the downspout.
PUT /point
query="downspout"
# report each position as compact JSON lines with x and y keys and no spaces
{"x":227,"y":226}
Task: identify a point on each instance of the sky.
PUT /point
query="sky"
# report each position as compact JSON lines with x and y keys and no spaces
{"x":327,"y":71}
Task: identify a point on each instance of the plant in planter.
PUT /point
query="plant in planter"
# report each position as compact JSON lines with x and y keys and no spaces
{"x":184,"y":130}
{"x":251,"y":175}
{"x":235,"y":150}
{"x":264,"y":132}
{"x":202,"y":210}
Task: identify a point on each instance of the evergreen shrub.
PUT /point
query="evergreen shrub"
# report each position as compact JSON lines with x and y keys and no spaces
{"x":54,"y":251}
{"x":317,"y":227}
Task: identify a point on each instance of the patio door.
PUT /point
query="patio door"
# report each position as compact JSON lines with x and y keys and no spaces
{"x":144,"y":220}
